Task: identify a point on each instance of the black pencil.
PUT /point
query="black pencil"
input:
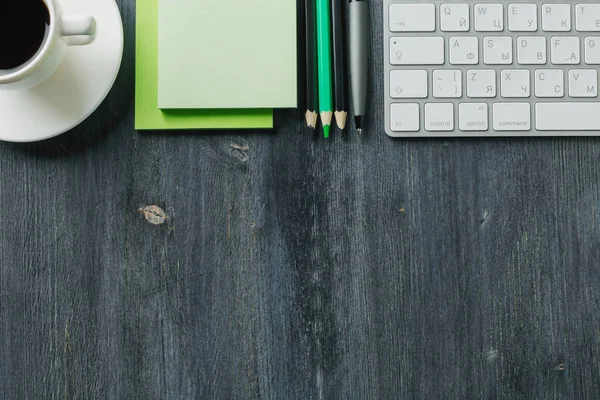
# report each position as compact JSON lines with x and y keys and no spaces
{"x":340,"y":93}
{"x":301,"y":18}
{"x":312,"y":84}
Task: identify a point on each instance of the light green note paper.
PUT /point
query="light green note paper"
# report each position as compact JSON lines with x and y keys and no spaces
{"x":227,"y":54}
{"x":147,"y":114}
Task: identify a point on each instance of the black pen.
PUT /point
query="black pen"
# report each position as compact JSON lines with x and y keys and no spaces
{"x":359,"y":56}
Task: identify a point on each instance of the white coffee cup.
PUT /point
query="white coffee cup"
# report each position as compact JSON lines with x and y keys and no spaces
{"x":62,"y":31}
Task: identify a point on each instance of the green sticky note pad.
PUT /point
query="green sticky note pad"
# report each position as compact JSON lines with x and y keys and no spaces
{"x":147,"y":114}
{"x":227,"y":54}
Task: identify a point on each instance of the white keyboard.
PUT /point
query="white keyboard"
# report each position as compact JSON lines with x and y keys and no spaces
{"x":491,"y":68}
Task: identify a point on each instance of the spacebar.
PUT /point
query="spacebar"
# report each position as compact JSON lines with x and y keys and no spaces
{"x":567,"y":116}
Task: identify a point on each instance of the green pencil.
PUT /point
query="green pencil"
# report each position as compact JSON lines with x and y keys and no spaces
{"x":324,"y":61}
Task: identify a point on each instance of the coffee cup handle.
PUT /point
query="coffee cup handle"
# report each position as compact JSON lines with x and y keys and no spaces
{"x":78,"y":30}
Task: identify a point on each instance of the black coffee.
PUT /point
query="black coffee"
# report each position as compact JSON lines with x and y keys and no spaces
{"x":22,"y":28}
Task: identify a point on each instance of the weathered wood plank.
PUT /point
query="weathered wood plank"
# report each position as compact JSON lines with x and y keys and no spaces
{"x":294,"y":267}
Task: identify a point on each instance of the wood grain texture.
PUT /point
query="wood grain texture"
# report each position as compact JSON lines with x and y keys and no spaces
{"x":293,"y":267}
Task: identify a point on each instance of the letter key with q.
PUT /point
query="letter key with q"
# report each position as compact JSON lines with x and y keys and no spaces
{"x":491,"y":68}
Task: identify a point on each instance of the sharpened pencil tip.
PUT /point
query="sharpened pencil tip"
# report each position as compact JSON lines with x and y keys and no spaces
{"x":326,"y":117}
{"x":311,"y":119}
{"x":340,"y":119}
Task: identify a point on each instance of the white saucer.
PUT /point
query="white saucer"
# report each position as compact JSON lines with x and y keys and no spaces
{"x":78,"y":87}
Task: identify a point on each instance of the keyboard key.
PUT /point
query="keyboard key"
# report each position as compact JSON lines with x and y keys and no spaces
{"x":408,"y":84}
{"x":514,"y":83}
{"x":447,"y":83}
{"x":531,"y":50}
{"x":412,"y":17}
{"x":417,"y":50}
{"x":556,"y":17}
{"x":454,"y":17}
{"x":439,"y":117}
{"x":497,"y":50}
{"x":511,"y":116}
{"x":549,"y":83}
{"x":473,"y":116}
{"x":464,"y":50}
{"x":567,"y":116}
{"x":587,"y":17}
{"x":583,"y":83}
{"x":522,"y":17}
{"x":489,"y":17}
{"x":592,"y":50}
{"x":404,"y":117}
{"x":564,"y":50}
{"x":481,"y":83}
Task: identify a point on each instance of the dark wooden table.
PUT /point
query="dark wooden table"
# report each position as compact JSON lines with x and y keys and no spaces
{"x":293,"y":267}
